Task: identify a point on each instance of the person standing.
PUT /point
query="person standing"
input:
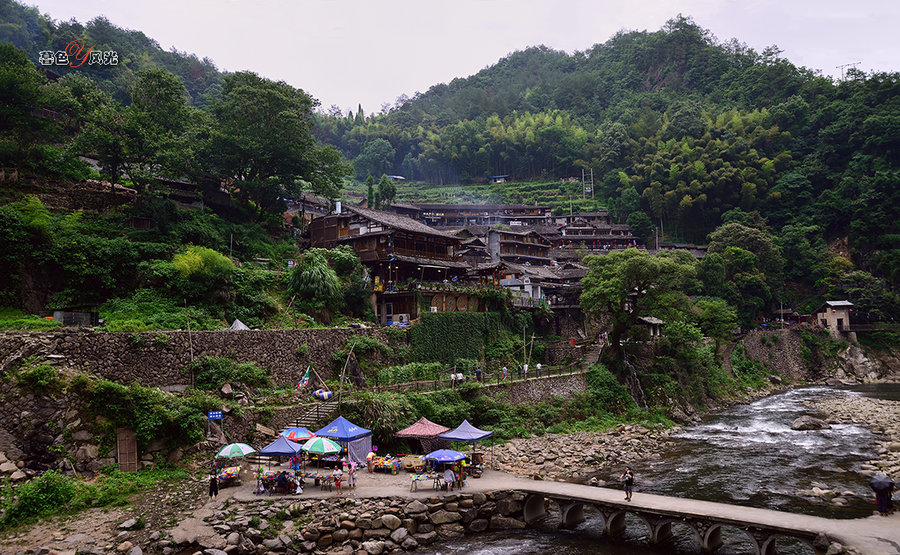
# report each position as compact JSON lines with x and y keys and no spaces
{"x":213,"y":485}
{"x":478,"y":374}
{"x":627,"y":479}
{"x":538,"y":368}
{"x":351,"y":477}
{"x":503,"y":372}
{"x":338,"y":476}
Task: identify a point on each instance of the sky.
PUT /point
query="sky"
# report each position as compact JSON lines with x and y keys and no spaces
{"x":369,"y":52}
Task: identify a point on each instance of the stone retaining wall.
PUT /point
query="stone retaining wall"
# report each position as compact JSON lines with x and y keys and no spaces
{"x":536,"y":389}
{"x":370,"y":526}
{"x":163,"y":358}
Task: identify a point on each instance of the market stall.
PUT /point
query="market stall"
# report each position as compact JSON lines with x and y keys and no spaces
{"x":357,"y":440}
{"x":281,"y":447}
{"x":468,"y":433}
{"x":426,"y":432}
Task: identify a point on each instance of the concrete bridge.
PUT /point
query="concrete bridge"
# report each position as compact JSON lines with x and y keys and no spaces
{"x":704,"y":520}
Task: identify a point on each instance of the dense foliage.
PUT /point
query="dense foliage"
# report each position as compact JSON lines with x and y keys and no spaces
{"x":676,"y":125}
{"x":53,"y":493}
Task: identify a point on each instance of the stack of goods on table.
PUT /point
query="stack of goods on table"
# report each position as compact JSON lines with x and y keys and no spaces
{"x":229,"y":476}
{"x":388,"y":464}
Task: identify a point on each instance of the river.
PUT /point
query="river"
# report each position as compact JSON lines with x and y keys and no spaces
{"x":744,"y":455}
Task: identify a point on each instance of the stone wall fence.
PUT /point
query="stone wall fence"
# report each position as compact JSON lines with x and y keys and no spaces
{"x":163,"y":358}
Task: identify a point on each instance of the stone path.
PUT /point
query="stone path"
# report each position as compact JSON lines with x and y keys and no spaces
{"x":874,"y":535}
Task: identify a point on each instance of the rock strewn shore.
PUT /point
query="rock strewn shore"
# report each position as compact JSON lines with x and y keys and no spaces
{"x":880,"y":415}
{"x":354,"y":526}
{"x":581,"y":455}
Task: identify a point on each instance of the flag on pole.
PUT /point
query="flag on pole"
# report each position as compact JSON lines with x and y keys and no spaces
{"x":305,"y":380}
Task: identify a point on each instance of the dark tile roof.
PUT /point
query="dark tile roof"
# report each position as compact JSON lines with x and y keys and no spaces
{"x":396,"y":221}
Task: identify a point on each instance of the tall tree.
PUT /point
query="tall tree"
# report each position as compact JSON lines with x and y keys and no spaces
{"x":262,"y":147}
{"x":626,"y":285}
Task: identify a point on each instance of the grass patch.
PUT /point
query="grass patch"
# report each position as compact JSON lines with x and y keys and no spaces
{"x":14,"y":319}
{"x":55,"y":494}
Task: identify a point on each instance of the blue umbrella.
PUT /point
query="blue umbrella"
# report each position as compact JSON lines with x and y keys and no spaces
{"x":445,"y":455}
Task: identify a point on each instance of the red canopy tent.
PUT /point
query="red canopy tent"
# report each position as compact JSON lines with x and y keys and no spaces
{"x":426,"y":432}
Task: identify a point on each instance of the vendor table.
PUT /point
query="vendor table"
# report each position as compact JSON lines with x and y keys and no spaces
{"x":414,"y":480}
{"x":387,"y":464}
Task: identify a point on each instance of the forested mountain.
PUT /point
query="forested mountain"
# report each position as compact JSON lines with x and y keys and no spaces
{"x":27,"y":29}
{"x":704,"y":140}
{"x":675,"y":124}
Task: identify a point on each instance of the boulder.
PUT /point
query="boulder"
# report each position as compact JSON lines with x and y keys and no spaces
{"x":399,"y":535}
{"x":416,"y":507}
{"x":390,"y":521}
{"x":373,"y":547}
{"x":444,"y":517}
{"x":807,"y":422}
{"x":505,"y":523}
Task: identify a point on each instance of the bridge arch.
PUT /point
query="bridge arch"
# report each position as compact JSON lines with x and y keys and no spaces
{"x":534,"y":508}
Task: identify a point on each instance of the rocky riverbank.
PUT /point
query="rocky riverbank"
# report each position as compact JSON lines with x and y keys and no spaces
{"x":351,"y":526}
{"x":581,"y":456}
{"x":880,"y":415}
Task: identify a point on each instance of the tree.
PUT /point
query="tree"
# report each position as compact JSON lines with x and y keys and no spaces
{"x":262,"y":146}
{"x":144,"y":140}
{"x":626,"y":285}
{"x":20,"y":96}
{"x":386,"y":190}
{"x":717,"y":318}
{"x":376,"y":157}
{"x":756,"y":241}
{"x":642,"y":226}
{"x":314,"y":281}
{"x":370,"y":191}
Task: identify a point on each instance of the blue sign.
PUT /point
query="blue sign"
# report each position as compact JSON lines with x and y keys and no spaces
{"x":215,"y":415}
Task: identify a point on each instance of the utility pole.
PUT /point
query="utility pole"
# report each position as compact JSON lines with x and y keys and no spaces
{"x":842,"y":66}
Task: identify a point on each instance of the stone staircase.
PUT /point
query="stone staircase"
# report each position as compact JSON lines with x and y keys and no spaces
{"x":313,"y":419}
{"x":592,"y":356}
{"x":317,"y":416}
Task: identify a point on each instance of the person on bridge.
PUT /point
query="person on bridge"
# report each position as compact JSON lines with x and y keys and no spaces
{"x":627,"y":479}
{"x":883,"y":486}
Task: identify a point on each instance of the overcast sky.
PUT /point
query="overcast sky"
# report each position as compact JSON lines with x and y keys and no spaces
{"x":347,"y":52}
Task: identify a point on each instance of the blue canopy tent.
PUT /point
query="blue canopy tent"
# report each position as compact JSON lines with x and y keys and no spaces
{"x":468,"y":433}
{"x":357,"y":440}
{"x":281,"y":447}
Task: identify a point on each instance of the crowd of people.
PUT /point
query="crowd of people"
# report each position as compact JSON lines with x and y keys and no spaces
{"x":458,"y":377}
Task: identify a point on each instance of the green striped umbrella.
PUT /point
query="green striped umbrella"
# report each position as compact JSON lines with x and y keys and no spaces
{"x":321,"y":446}
{"x":234,"y":450}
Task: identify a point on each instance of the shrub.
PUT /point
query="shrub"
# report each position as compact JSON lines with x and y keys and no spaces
{"x":202,"y":263}
{"x":213,"y":372}
{"x":38,"y":497}
{"x":40,"y":378}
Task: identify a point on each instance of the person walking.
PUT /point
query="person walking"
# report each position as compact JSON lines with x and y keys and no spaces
{"x":883,"y":486}
{"x":525,"y":370}
{"x":503,"y":372}
{"x":627,"y":479}
{"x":213,"y":485}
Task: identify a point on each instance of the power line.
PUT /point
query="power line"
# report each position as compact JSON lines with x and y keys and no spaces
{"x":842,"y":66}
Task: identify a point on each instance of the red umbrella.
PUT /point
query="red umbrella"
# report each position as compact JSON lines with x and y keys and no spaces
{"x":298,"y":434}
